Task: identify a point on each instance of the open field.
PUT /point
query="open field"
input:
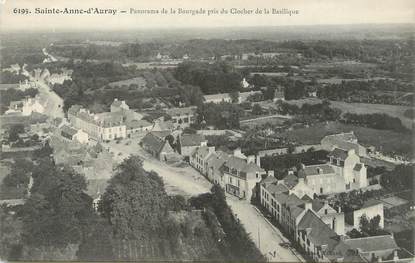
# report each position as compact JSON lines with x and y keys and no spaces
{"x":384,"y":140}
{"x":363,"y":108}
{"x":273,"y":120}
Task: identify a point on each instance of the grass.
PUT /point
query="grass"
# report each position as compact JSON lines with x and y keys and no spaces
{"x":384,"y":140}
{"x":363,"y":108}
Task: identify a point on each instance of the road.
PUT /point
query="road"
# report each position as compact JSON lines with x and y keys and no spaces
{"x":49,"y":99}
{"x":188,"y":182}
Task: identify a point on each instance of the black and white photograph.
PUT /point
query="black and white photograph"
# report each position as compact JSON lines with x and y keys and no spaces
{"x":207,"y":131}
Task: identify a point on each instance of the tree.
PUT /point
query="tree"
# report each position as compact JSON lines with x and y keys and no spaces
{"x":364,"y":224}
{"x":14,"y":132}
{"x":19,"y":174}
{"x":257,"y":109}
{"x":135,"y":202}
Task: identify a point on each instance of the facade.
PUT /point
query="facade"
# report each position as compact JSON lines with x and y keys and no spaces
{"x":370,"y":209}
{"x":25,"y":107}
{"x":74,"y":135}
{"x":241,"y":176}
{"x":102,"y":126}
{"x":199,"y":158}
{"x":218,"y":98}
{"x":348,"y":165}
{"x":280,"y":199}
{"x":182,"y":117}
{"x":138,"y":126}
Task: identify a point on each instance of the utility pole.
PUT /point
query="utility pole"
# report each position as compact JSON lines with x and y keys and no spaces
{"x":259,"y":238}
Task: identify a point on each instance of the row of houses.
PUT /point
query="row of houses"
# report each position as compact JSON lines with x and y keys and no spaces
{"x":319,"y":227}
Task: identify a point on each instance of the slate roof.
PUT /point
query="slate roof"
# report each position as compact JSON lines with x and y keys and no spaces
{"x":290,"y":181}
{"x":306,"y":198}
{"x":134,"y":124}
{"x":317,"y":205}
{"x":338,"y":154}
{"x":345,"y":141}
{"x":277,"y":189}
{"x":374,"y":243}
{"x":191,"y":139}
{"x":181,"y":111}
{"x":311,"y":170}
{"x":216,"y":160}
{"x":154,"y":142}
{"x":317,"y":231}
{"x":370,"y":203}
{"x":241,"y":165}
{"x":202,"y":151}
{"x":69,"y":131}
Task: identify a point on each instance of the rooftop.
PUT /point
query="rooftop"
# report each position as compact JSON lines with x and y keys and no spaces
{"x":181,"y":111}
{"x":374,"y":243}
{"x":311,"y":170}
{"x":242,"y":165}
{"x":192,"y":139}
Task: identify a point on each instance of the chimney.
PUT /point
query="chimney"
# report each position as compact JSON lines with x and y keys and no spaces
{"x":308,"y":206}
{"x":319,"y":170}
{"x":395,"y":255}
{"x":258,"y":161}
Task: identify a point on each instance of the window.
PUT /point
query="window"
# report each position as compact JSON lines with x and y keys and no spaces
{"x":325,"y":211}
{"x":321,"y":190}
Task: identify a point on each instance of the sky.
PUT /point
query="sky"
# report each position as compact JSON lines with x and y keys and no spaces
{"x":310,"y":12}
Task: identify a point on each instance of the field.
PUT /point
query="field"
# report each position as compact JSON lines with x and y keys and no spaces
{"x":383,"y":140}
{"x":273,"y":120}
{"x":139,"y":81}
{"x":364,"y":108}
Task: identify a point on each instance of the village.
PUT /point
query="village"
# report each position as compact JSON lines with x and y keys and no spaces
{"x":300,"y":211}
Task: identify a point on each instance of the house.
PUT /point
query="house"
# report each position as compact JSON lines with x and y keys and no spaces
{"x":343,"y":141}
{"x":101,"y":126}
{"x":370,"y":209}
{"x":241,"y":176}
{"x":214,"y":164}
{"x":199,"y":158}
{"x":156,"y":144}
{"x":182,"y":117}
{"x":280,"y":198}
{"x":279,"y":93}
{"x":138,"y":126}
{"x":245,"y":84}
{"x":322,"y":179}
{"x":315,"y":237}
{"x":374,"y":247}
{"x":218,"y":98}
{"x":189,"y":142}
{"x":118,"y":105}
{"x":349,"y":166}
{"x":244,"y":96}
{"x":74,"y":135}
{"x":26,"y":107}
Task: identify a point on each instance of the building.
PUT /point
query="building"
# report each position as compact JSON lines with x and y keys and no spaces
{"x":118,"y":105}
{"x":280,"y":198}
{"x":373,"y":248}
{"x":199,"y":158}
{"x":189,"y":142}
{"x":74,"y":135}
{"x":244,"y":96}
{"x":370,"y":209}
{"x":156,"y":144}
{"x":241,"y":175}
{"x":279,"y":93}
{"x":344,"y":141}
{"x":349,"y":166}
{"x":245,"y":84}
{"x":182,"y":117}
{"x":101,"y":126}
{"x":218,"y":98}
{"x":26,"y":107}
{"x":214,"y":164}
{"x":315,"y":237}
{"x":138,"y":126}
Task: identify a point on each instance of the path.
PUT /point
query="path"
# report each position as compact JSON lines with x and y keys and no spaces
{"x":188,"y":182}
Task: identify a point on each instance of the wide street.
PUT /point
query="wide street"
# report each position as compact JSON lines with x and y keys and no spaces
{"x":189,"y":182}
